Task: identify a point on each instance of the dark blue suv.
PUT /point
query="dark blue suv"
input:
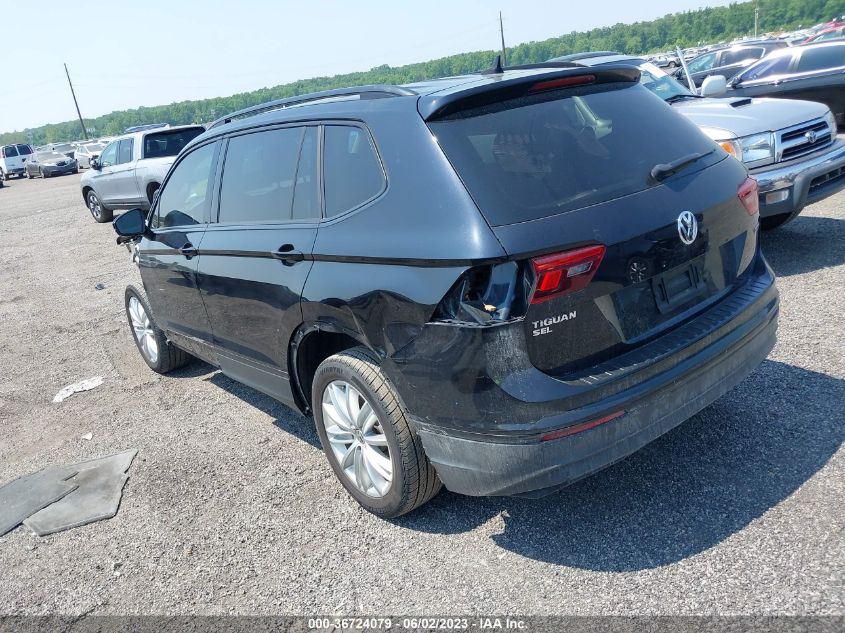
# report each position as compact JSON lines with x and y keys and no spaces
{"x":501,"y":282}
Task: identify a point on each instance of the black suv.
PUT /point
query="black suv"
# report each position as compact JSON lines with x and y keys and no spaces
{"x":502,"y":282}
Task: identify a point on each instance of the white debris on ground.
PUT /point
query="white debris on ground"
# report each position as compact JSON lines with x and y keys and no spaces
{"x":82,"y":385}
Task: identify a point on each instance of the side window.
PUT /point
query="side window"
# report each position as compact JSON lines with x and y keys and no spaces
{"x":705,"y":62}
{"x":259,"y":176}
{"x":768,"y":67}
{"x":306,"y":194}
{"x":109,"y":155}
{"x":813,"y":59}
{"x":24,"y":150}
{"x":124,"y":154}
{"x":9,"y":151}
{"x":351,"y":169}
{"x":745,"y":54}
{"x":184,"y":195}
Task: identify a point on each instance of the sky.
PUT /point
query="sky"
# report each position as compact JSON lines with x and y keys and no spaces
{"x":127,"y":54}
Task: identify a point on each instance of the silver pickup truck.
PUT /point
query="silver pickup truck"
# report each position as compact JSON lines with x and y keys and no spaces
{"x":131,"y":168}
{"x":791,"y":148}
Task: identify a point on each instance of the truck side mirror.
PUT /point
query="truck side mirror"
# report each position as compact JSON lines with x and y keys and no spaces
{"x":714,"y":86}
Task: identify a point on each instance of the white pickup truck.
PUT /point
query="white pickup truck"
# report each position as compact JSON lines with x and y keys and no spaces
{"x":131,"y":168}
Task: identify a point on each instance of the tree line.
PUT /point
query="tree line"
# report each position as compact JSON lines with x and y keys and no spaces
{"x":690,"y":28}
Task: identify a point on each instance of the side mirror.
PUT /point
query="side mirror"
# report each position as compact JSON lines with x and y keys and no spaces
{"x":714,"y":86}
{"x":95,"y":164}
{"x":133,"y":223}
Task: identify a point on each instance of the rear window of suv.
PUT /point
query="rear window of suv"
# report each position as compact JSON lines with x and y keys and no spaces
{"x":169,"y":143}
{"x":539,"y":156}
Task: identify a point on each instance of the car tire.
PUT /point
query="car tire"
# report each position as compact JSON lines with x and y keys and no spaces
{"x":4,"y":175}
{"x":160,"y":354}
{"x":98,"y":211}
{"x":774,"y":221}
{"x":28,"y":175}
{"x":42,"y":173}
{"x":384,"y":437}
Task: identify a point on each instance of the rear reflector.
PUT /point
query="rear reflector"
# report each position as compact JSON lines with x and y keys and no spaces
{"x":561,"y":273}
{"x":748,"y":196}
{"x":564,"y":82}
{"x":584,"y":426}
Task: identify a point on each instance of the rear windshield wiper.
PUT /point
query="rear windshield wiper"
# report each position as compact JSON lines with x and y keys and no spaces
{"x":662,"y":171}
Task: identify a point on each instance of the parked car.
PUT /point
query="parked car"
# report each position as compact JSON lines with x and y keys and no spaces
{"x":789,"y":147}
{"x":87,"y":152}
{"x":68,"y":149}
{"x":727,"y":61}
{"x":12,"y":159}
{"x":131,"y":168}
{"x":665,"y":60}
{"x":815,"y":72}
{"x":500,"y":282}
{"x":46,"y":164}
{"x":831,"y":33}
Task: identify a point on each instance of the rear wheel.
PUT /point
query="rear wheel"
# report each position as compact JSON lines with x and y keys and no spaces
{"x":159,"y":353}
{"x":98,"y":211}
{"x":367,"y":438}
{"x":42,"y":173}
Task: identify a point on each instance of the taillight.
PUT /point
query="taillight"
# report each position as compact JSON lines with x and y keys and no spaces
{"x":561,"y":273}
{"x":748,"y":196}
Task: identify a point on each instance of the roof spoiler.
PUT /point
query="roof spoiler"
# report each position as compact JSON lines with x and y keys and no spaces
{"x":482,"y":93}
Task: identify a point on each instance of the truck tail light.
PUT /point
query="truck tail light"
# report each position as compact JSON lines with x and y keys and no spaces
{"x":748,"y":196}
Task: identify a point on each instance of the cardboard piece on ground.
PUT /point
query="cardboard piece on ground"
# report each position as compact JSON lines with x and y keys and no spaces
{"x":100,"y":487}
{"x":27,"y":495}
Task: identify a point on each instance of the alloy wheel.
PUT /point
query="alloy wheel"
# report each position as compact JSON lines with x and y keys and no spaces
{"x":357,"y":438}
{"x":94,"y":205}
{"x":142,"y":329}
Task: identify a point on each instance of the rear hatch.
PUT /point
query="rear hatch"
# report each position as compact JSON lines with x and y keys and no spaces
{"x":625,"y":220}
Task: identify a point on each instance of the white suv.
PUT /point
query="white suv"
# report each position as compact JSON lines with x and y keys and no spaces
{"x":12,"y":158}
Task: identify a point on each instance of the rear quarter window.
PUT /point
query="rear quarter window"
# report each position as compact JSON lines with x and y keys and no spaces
{"x":9,"y":151}
{"x":352,"y":170}
{"x":24,"y":150}
{"x":538,"y":156}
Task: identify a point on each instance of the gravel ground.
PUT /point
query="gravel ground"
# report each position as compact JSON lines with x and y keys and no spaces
{"x":232,"y":508}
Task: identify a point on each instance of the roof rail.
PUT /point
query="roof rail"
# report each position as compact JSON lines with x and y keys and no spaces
{"x":376,"y":91}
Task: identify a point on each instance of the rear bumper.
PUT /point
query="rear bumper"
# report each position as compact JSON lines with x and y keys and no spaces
{"x":789,"y":188}
{"x":514,"y":460}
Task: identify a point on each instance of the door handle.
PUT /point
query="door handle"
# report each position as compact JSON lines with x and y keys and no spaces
{"x":288,"y":254}
{"x":188,"y":250}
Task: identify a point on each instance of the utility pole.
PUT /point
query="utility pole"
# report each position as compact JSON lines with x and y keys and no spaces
{"x":756,"y":16}
{"x":78,"y":113}
{"x":502,"y":33}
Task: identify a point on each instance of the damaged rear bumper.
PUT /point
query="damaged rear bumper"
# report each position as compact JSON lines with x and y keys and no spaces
{"x":507,"y":451}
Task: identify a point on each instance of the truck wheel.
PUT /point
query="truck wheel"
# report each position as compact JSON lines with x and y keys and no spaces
{"x":160,"y":354}
{"x":368,"y":440}
{"x":98,"y":211}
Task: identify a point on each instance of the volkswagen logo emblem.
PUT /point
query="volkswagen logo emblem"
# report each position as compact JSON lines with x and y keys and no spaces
{"x":811,"y":136}
{"x":687,"y":227}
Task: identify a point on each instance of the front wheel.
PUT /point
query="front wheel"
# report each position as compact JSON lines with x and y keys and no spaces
{"x":98,"y":211}
{"x":366,"y":435}
{"x":160,"y":354}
